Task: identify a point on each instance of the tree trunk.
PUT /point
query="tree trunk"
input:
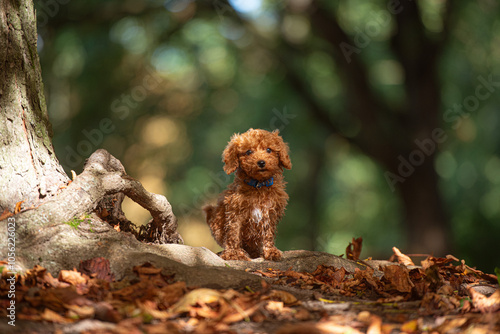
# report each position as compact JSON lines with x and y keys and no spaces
{"x":29,"y":169}
{"x":30,"y":172}
{"x":388,"y":132}
{"x":425,"y":221}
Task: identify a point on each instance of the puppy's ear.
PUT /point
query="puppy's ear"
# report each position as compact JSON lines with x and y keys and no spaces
{"x":230,"y":155}
{"x":283,"y":151}
{"x":284,"y":158}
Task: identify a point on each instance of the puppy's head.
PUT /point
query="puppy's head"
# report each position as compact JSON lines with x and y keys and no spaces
{"x":259,"y":153}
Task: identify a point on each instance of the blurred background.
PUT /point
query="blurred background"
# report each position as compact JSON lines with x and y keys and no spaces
{"x":390,"y":109}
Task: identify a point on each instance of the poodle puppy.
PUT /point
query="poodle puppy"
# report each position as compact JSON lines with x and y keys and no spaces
{"x":247,"y":213}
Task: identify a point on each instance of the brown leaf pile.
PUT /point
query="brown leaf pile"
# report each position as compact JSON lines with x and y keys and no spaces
{"x":437,"y":296}
{"x":152,"y":304}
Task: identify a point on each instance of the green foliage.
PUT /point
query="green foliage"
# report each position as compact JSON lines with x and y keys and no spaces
{"x":177,"y":83}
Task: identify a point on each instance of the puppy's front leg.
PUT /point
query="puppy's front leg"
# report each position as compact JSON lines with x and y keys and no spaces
{"x":269,"y":251}
{"x":233,"y":250}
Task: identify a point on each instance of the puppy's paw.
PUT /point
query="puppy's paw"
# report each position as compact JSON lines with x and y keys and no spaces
{"x":272,"y":254}
{"x":235,"y":254}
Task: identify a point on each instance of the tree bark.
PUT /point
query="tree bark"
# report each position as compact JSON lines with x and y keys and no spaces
{"x":30,"y":172}
{"x":29,"y":169}
{"x":425,"y":220}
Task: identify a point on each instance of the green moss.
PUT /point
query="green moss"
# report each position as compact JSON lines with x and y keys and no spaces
{"x":75,"y":222}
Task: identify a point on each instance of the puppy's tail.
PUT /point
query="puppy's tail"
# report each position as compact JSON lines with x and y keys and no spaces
{"x":209,"y":212}
{"x":214,"y":224}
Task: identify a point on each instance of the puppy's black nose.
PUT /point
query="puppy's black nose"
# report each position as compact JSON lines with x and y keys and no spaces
{"x":261,"y":163}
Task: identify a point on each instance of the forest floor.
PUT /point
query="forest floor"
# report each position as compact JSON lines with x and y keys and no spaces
{"x":440,"y":295}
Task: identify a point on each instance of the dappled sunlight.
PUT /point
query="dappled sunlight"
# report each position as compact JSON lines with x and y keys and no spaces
{"x":489,"y":203}
{"x":159,"y":131}
{"x":195,"y":232}
{"x":491,"y":170}
{"x":296,"y":28}
{"x":432,"y":14}
{"x":153,"y":183}
{"x":467,"y":175}
{"x":387,"y":72}
{"x":325,"y":80}
{"x":131,"y":34}
{"x":466,"y":132}
{"x":180,"y":104}
{"x":135,"y":213}
{"x":445,"y":165}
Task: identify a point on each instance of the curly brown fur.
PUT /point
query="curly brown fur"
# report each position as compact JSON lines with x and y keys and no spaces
{"x":247,"y":213}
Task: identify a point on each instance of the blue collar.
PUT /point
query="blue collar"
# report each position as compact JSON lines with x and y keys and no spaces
{"x":256,"y":184}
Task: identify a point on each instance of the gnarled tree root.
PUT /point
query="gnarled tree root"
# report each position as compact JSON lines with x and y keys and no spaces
{"x":50,"y":235}
{"x":116,"y":183}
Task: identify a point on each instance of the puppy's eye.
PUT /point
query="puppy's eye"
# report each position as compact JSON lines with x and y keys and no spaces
{"x":248,"y":152}
{"x":269,"y":150}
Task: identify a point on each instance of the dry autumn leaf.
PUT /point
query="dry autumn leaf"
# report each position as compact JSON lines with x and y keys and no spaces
{"x":353,"y":250}
{"x":375,"y":326}
{"x":72,"y":277}
{"x":17,"y":208}
{"x":51,"y":316}
{"x":203,"y":296}
{"x":402,"y":258}
{"x":81,"y":312}
{"x":483,"y":303}
{"x":98,"y":267}
{"x":283,"y":296}
{"x":327,"y":327}
{"x":398,"y":277}
{"x":6,"y":214}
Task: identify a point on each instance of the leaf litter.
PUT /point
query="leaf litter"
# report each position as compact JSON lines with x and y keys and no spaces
{"x":442,"y":295}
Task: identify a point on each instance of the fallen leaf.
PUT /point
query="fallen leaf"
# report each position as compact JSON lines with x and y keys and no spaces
{"x":435,"y":261}
{"x":364,"y":316}
{"x":170,"y":294}
{"x":105,"y":312}
{"x":146,"y":269}
{"x":6,"y":214}
{"x":353,"y":250}
{"x":202,"y":295}
{"x":483,"y":303}
{"x":327,"y":327}
{"x":98,"y":267}
{"x":375,"y":326}
{"x":283,"y":296}
{"x":240,"y":315}
{"x":452,"y":325}
{"x":82,"y":312}
{"x":150,"y":308}
{"x":104,"y":213}
{"x":410,"y":326}
{"x":49,"y":315}
{"x":72,"y":277}
{"x":402,"y":258}
{"x":398,"y":277}
{"x":274,"y":306}
{"x":17,"y":208}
